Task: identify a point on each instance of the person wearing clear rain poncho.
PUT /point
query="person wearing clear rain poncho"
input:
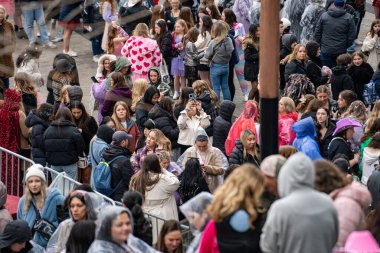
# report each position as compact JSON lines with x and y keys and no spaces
{"x":82,"y":206}
{"x":114,"y":233}
{"x":195,"y":212}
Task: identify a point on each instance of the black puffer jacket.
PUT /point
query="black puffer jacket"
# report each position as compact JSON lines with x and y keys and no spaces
{"x":294,"y":67}
{"x":166,"y":123}
{"x":63,"y":143}
{"x":325,"y":142}
{"x":222,"y":124}
{"x":340,"y":81}
{"x":144,"y":106}
{"x":166,"y":48}
{"x":210,"y":109}
{"x":121,"y":169}
{"x":236,"y":156}
{"x":38,"y":129}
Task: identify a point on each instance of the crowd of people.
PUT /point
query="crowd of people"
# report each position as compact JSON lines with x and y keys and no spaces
{"x":165,"y":141}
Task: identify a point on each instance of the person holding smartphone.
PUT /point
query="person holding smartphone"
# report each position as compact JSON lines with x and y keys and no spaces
{"x":190,"y":120}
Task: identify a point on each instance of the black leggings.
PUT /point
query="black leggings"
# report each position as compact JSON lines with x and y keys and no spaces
{"x":231,"y":84}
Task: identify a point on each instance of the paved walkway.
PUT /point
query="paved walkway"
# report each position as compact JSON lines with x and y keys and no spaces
{"x":87,"y":67}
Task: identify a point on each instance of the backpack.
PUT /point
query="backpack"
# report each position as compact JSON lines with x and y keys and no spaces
{"x":371,"y":92}
{"x":102,"y":177}
{"x":298,"y":85}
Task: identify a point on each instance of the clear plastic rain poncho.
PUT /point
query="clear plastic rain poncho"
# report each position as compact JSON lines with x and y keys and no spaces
{"x":245,"y":121}
{"x":254,"y":12}
{"x":94,"y":204}
{"x":195,"y":212}
{"x":104,"y":242}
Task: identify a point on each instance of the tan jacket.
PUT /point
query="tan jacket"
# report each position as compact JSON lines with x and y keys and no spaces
{"x":188,"y":127}
{"x":25,"y":132}
{"x":213,"y":165}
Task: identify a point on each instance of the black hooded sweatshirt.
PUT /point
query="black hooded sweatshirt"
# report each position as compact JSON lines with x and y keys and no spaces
{"x":222,"y":125}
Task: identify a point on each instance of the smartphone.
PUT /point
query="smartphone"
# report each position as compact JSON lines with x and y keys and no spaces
{"x":192,"y":96}
{"x":94,"y":79}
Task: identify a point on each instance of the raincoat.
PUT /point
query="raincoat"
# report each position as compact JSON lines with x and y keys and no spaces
{"x":93,"y":202}
{"x":310,"y":19}
{"x":104,"y":243}
{"x":245,"y":121}
{"x":254,"y":12}
{"x":305,"y":142}
{"x":293,"y":10}
{"x":285,"y":133}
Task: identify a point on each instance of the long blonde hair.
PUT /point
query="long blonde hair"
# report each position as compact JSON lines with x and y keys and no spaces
{"x":375,"y":113}
{"x":162,"y":141}
{"x":243,"y":138}
{"x":28,"y":195}
{"x":219,"y":31}
{"x":357,"y":110}
{"x":140,"y":86}
{"x":241,"y":190}
{"x":141,"y":30}
{"x":118,"y":125}
{"x":293,"y":55}
{"x":25,"y":84}
{"x":200,"y":87}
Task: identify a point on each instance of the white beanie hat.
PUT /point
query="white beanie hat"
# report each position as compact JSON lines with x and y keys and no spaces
{"x":286,"y":23}
{"x":35,"y":170}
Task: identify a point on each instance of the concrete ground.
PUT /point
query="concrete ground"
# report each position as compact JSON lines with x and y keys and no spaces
{"x":87,"y":68}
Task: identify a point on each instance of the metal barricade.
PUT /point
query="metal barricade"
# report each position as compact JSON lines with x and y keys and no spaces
{"x":12,"y":171}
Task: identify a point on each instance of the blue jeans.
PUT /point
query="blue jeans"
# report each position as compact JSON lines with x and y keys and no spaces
{"x":329,"y":60}
{"x":70,"y":170}
{"x":96,"y":43}
{"x":34,"y":11}
{"x":219,"y":79}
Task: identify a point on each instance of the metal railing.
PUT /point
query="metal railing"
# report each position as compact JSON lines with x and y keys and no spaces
{"x":12,"y":171}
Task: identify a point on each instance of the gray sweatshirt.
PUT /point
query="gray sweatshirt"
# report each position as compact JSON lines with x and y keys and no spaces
{"x":219,"y":53}
{"x":303,"y":220}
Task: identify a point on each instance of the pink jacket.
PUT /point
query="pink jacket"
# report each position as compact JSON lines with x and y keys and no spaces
{"x":143,"y":53}
{"x":350,"y":203}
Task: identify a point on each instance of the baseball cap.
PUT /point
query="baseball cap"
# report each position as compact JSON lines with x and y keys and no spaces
{"x":119,"y":136}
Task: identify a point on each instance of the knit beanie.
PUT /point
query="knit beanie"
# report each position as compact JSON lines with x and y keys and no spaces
{"x":35,"y":170}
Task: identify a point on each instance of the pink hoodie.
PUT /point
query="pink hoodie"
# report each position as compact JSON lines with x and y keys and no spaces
{"x":143,"y":53}
{"x":350,"y":202}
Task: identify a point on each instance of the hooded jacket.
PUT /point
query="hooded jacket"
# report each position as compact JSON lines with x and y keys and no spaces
{"x":159,"y":79}
{"x":210,"y":109}
{"x":285,"y":123}
{"x":222,"y":125}
{"x":290,"y":226}
{"x":121,"y":169}
{"x":166,"y":123}
{"x":144,"y":106}
{"x":350,"y":203}
{"x":305,"y":142}
{"x":38,"y":129}
{"x":104,"y":243}
{"x":63,"y":143}
{"x":340,"y":80}
{"x":143,"y":53}
{"x":48,"y":212}
{"x":335,"y":31}
{"x":99,"y":74}
{"x":369,"y":162}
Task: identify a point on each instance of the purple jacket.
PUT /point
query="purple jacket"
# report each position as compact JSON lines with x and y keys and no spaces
{"x":113,"y":96}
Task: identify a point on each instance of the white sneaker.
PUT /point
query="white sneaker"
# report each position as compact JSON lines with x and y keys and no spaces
{"x":57,"y":39}
{"x":50,"y":45}
{"x":38,"y":34}
{"x":358,"y":42}
{"x":246,"y":97}
{"x":71,"y":53}
{"x":96,"y":58}
{"x":176,"y":95}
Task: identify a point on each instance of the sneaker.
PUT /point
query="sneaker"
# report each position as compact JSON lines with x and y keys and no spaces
{"x":358,"y":42}
{"x":48,"y":33}
{"x":71,"y":53}
{"x":176,"y":95}
{"x":246,"y":97}
{"x":38,"y":34}
{"x":50,"y":45}
{"x":95,"y":58}
{"x":57,"y":39}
